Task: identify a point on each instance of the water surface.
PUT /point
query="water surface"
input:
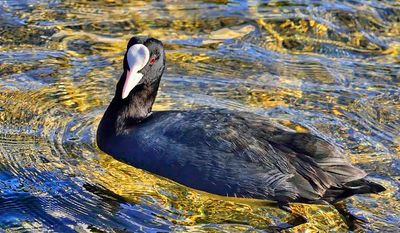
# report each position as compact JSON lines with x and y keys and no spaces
{"x":327,"y":67}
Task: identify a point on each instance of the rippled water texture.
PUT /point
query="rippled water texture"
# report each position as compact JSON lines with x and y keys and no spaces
{"x":331,"y":68}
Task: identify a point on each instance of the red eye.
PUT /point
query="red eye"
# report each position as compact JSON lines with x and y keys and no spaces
{"x":152,"y":60}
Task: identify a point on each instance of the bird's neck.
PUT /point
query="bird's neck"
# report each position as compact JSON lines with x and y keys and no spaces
{"x":122,"y":114}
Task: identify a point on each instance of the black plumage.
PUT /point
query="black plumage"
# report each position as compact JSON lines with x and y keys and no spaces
{"x":220,"y":151}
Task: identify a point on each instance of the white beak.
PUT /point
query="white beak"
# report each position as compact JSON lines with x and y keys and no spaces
{"x":138,"y":55}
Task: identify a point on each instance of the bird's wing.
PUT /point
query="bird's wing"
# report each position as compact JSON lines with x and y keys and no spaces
{"x":327,"y":156}
{"x":261,"y":159}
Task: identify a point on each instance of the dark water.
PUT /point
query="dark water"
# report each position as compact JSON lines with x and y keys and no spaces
{"x":328,"y":67}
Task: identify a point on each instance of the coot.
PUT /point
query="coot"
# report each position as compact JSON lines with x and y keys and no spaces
{"x":219,"y":151}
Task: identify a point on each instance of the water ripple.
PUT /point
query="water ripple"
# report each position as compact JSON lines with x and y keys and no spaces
{"x":330,"y":68}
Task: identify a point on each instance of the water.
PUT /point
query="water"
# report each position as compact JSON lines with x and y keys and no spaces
{"x":331,"y":68}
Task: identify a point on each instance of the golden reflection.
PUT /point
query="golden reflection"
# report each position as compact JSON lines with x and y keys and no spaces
{"x":270,"y":98}
{"x":231,"y":33}
{"x":74,"y":61}
{"x":303,"y":35}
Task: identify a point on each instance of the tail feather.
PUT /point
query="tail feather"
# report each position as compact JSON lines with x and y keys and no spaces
{"x":344,"y":173}
{"x":364,"y":186}
{"x":361,"y":186}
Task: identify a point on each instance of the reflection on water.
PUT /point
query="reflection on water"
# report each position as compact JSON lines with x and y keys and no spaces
{"x":330,"y":68}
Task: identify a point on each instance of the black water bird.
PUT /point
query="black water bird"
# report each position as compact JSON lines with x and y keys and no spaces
{"x":219,"y":151}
